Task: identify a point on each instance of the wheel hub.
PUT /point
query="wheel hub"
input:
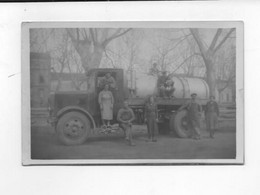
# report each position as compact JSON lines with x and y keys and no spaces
{"x":74,"y":128}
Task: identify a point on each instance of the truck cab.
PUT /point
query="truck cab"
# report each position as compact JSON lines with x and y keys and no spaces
{"x":75,"y":114}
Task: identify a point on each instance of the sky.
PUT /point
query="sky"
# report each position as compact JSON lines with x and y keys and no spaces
{"x":147,"y":43}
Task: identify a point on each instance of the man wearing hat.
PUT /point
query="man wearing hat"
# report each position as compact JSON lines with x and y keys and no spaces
{"x":194,"y":112}
{"x":211,"y":114}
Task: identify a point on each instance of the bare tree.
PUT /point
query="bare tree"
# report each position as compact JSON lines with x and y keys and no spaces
{"x":91,"y":43}
{"x":168,"y":49}
{"x":64,"y":61}
{"x":208,"y":53}
{"x":226,"y":70}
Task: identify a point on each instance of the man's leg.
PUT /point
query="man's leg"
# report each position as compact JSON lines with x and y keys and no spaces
{"x":148,"y":123}
{"x":124,"y":130}
{"x":129,"y":133}
{"x":153,"y":130}
{"x":196,"y":129}
{"x":211,"y":133}
{"x":212,"y":124}
{"x":208,"y":126}
{"x":215,"y":122}
{"x":197,"y":132}
{"x":149,"y":129}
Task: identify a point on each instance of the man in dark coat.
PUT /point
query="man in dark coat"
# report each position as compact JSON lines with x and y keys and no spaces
{"x":194,"y":113}
{"x":151,"y":118}
{"x":211,"y":115}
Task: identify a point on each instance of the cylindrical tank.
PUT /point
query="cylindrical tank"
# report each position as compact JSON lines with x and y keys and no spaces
{"x":184,"y":86}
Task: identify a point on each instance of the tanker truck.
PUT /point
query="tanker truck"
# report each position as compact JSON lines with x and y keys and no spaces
{"x":76,"y":115}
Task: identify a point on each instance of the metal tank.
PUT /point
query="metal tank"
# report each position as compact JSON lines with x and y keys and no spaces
{"x":184,"y":86}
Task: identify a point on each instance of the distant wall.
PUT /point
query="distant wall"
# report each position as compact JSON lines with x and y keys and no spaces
{"x":40,"y":79}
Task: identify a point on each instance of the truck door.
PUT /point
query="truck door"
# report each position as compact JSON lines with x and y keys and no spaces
{"x":117,"y":91}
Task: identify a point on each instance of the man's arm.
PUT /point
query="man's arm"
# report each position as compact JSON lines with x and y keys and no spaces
{"x":119,"y":116}
{"x":112,"y":97}
{"x":217,"y":108}
{"x":99,"y":97}
{"x":133,"y":116}
{"x":184,"y":106}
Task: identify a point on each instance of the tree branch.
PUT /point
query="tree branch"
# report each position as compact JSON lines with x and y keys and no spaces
{"x":202,"y":49}
{"x":184,"y":62}
{"x":227,"y":84}
{"x":92,"y":35}
{"x":223,"y":40}
{"x":110,"y":59}
{"x":114,"y":36}
{"x":214,"y":41}
{"x":179,"y":42}
{"x":74,"y":41}
{"x":86,"y":34}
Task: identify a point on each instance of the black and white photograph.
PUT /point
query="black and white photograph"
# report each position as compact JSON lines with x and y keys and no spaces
{"x":133,"y":93}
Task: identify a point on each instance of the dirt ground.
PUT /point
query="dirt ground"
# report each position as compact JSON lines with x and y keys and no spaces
{"x":45,"y":145}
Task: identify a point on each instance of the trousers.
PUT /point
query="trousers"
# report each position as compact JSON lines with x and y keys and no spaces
{"x":195,"y":127}
{"x":128,"y":130}
{"x":211,"y":122}
{"x":151,"y":126}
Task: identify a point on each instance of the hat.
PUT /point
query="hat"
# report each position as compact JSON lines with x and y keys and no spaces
{"x":193,"y":94}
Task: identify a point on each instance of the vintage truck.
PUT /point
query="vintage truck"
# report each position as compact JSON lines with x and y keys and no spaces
{"x":76,"y":115}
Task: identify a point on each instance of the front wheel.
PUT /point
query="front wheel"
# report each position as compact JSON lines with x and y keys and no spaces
{"x":179,"y":124}
{"x":73,"y":128}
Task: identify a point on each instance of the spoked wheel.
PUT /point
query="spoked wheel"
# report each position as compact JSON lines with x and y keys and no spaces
{"x":179,"y":124}
{"x":73,"y":128}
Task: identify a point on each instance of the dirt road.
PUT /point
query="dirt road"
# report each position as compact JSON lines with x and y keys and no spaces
{"x":223,"y":146}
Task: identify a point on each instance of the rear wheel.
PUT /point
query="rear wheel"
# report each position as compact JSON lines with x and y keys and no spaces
{"x":179,"y":124}
{"x":73,"y":128}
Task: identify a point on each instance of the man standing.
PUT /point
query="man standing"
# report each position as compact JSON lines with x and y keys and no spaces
{"x":194,"y":112}
{"x":211,"y":114}
{"x":125,"y":116}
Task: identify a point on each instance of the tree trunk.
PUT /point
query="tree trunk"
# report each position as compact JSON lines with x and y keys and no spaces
{"x":208,"y":55}
{"x":211,"y":76}
{"x":93,"y":61}
{"x":91,"y":58}
{"x":91,"y":48}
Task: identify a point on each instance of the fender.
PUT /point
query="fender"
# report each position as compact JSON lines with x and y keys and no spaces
{"x":76,"y":108}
